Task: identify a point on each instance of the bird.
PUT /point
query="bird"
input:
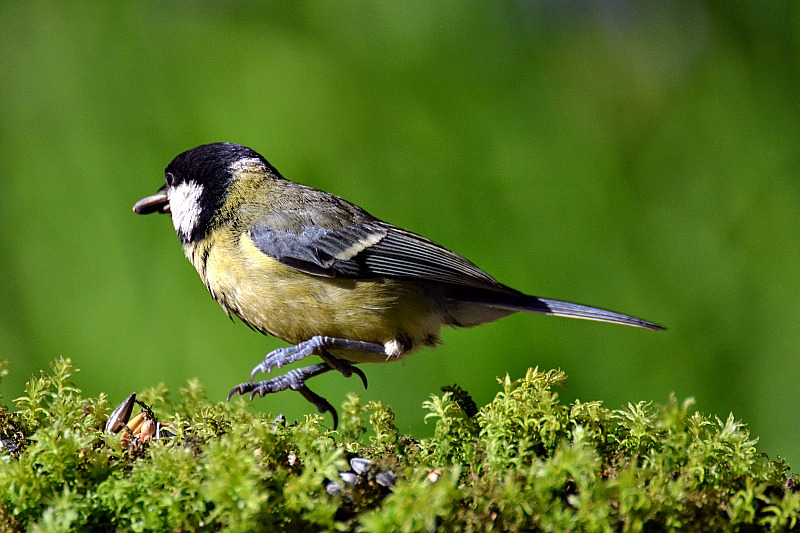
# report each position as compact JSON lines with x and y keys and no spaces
{"x":324,"y":275}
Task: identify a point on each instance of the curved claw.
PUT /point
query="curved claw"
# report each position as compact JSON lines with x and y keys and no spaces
{"x":274,"y":359}
{"x":345,"y":368}
{"x":257,"y":370}
{"x":241,"y":388}
{"x":360,"y":373}
{"x":323,"y":405}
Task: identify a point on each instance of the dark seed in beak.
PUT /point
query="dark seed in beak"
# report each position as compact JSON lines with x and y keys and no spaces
{"x":157,"y":203}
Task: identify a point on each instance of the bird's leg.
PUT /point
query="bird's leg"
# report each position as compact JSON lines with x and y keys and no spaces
{"x":318,"y":344}
{"x":295,"y":380}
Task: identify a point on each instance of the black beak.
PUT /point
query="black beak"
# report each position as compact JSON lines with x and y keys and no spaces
{"x":158,"y":203}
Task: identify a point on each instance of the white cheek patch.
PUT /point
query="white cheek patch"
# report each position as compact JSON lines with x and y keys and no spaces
{"x":184,"y":202}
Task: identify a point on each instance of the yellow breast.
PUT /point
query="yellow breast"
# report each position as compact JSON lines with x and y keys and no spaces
{"x":295,"y":306}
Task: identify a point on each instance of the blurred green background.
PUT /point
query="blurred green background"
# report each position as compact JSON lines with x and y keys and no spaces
{"x":637,"y":156}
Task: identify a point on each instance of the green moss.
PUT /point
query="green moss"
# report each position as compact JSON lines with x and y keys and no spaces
{"x":524,"y":461}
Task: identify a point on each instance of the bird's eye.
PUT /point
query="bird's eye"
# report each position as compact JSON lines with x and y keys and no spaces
{"x":170,"y":177}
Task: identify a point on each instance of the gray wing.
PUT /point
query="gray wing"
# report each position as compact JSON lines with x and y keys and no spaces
{"x":373,"y":248}
{"x":368,"y":249}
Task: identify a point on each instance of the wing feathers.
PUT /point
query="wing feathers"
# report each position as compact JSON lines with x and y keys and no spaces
{"x":404,"y":254}
{"x":369,"y":249}
{"x":373,"y":248}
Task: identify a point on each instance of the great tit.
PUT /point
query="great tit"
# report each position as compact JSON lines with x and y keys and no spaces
{"x":323,"y":274}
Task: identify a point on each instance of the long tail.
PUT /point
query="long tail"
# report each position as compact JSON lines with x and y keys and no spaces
{"x":585,"y":312}
{"x":471,"y":306}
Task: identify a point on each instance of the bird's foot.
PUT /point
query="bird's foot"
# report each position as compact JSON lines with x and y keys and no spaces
{"x":294,"y":380}
{"x":320,"y":345}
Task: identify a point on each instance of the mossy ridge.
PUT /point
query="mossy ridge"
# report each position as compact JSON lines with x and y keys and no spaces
{"x":524,"y":461}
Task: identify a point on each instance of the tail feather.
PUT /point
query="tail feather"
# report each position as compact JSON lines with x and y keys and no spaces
{"x":585,"y":312}
{"x":469,"y":306}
